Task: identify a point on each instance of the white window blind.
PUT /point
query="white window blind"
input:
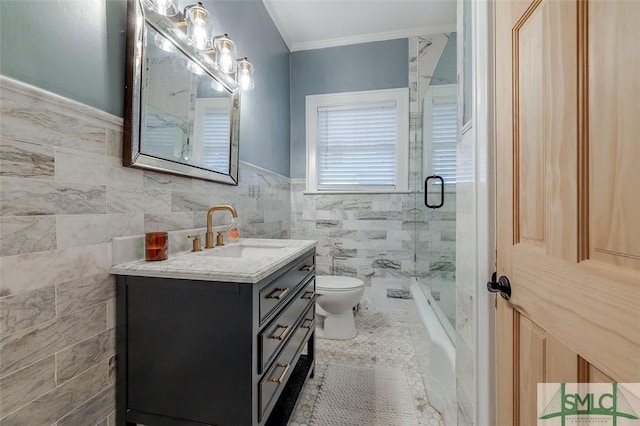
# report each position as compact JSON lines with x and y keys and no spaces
{"x":215,"y":141}
{"x":357,"y":145}
{"x":443,"y":138}
{"x":211,"y":134}
{"x":358,"y":141}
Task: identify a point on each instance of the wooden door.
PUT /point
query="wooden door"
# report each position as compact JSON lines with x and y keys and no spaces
{"x":568,"y":196}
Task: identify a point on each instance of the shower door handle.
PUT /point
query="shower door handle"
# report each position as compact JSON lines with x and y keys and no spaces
{"x":502,"y":286}
{"x":426,"y":185}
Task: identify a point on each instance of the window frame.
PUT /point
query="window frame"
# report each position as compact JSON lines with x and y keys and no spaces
{"x":399,"y":96}
{"x":446,"y":91}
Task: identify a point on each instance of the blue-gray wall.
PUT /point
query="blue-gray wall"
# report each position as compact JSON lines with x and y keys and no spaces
{"x":446,"y":70}
{"x":264,"y":130}
{"x":366,"y":66}
{"x":76,"y":48}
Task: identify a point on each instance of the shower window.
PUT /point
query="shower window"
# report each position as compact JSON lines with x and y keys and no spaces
{"x":358,"y":141}
{"x":441,"y":123}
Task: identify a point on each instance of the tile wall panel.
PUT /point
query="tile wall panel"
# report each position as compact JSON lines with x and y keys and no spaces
{"x":27,"y":234}
{"x":353,"y":239}
{"x":466,"y":249}
{"x":27,"y":309}
{"x":26,"y":159}
{"x":64,"y":196}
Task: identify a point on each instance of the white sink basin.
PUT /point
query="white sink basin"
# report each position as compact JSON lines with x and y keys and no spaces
{"x":243,"y":251}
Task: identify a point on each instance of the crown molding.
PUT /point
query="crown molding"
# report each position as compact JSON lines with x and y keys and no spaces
{"x":268,"y":4}
{"x":366,"y":38}
{"x":344,"y":41}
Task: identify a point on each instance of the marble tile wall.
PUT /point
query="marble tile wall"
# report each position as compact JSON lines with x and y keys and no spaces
{"x":368,"y":236}
{"x":466,"y":250}
{"x":63,"y":196}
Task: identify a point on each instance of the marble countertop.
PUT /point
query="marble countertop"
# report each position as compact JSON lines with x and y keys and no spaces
{"x":211,"y":265}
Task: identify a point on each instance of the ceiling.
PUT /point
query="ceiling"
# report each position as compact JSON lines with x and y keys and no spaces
{"x":314,"y":24}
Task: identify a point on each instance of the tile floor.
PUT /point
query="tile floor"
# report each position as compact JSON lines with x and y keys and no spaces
{"x":390,"y":335}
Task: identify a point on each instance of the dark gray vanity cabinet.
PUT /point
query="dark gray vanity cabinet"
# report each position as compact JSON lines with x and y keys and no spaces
{"x":194,"y":352}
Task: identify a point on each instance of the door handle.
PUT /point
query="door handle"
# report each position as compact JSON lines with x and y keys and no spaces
{"x":502,"y":286}
{"x":426,"y":185}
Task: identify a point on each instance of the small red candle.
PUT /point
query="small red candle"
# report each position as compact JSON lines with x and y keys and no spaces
{"x":156,"y":246}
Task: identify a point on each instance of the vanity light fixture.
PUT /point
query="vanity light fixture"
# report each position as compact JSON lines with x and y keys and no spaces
{"x":245,"y":74}
{"x":199,"y":32}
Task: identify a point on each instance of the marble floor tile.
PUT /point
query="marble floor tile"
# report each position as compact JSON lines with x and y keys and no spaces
{"x":388,"y":337}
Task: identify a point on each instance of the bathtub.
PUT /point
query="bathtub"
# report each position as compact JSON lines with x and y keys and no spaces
{"x":441,"y":373}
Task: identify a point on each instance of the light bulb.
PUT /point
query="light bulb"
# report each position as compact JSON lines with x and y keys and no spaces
{"x":199,"y":27}
{"x":245,"y":75}
{"x":225,"y":53}
{"x":245,"y":82}
{"x":226,"y":64}
{"x":199,"y":37}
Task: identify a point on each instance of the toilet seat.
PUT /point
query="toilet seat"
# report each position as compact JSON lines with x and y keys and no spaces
{"x":332,"y":283}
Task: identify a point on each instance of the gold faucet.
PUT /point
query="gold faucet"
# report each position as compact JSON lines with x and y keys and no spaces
{"x":209,"y":235}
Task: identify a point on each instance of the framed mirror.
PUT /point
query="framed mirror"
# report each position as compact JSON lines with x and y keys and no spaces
{"x":182,"y":114}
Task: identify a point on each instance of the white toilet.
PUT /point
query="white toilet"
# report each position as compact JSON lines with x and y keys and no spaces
{"x":334,"y":306}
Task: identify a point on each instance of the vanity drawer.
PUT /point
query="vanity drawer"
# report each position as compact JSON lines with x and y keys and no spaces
{"x":276,"y":377}
{"x":277,"y":333}
{"x":277,"y":292}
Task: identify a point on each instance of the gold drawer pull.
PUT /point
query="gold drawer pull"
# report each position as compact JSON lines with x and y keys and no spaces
{"x":284,"y":332}
{"x":308,"y":268}
{"x":284,"y":373}
{"x":308,"y":295}
{"x":312,"y":322}
{"x":278,"y":293}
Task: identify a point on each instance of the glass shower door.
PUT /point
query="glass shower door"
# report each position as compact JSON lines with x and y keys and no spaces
{"x":436,"y":204}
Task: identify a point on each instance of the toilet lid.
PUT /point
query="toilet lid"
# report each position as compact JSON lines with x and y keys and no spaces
{"x":331,"y":282}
